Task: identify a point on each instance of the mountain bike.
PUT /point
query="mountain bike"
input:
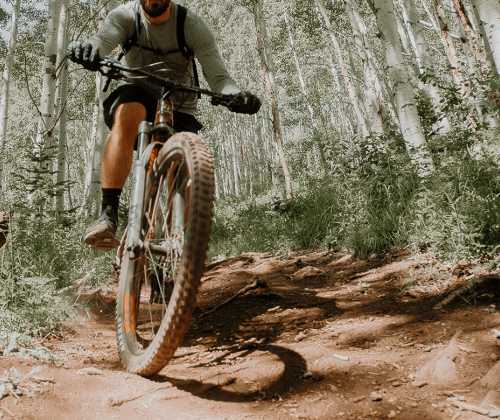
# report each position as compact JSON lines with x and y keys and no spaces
{"x":162,"y":253}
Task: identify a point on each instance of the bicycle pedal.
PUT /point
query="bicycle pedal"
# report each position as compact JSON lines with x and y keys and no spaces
{"x":105,"y":244}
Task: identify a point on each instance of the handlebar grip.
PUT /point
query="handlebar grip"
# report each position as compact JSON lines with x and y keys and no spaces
{"x":221,"y":100}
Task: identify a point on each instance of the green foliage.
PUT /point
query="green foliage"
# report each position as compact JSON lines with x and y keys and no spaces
{"x":375,"y":201}
{"x":29,"y":303}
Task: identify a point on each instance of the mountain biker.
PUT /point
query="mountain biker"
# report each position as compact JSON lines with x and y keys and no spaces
{"x":153,"y":23}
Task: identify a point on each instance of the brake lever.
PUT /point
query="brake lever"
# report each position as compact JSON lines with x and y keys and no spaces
{"x":108,"y":62}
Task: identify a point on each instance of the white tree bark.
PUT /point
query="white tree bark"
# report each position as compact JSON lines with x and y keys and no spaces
{"x":45,"y":131}
{"x":100,"y":133}
{"x":427,"y":65}
{"x":4,"y":101}
{"x":350,"y":88}
{"x":268,"y":67}
{"x":489,"y":17}
{"x":449,"y":47}
{"x":402,"y":90}
{"x":470,"y":30}
{"x":370,"y":78}
{"x":62,"y":94}
{"x":303,"y":88}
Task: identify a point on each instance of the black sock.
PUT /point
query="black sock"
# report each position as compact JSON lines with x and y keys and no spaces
{"x":111,"y":197}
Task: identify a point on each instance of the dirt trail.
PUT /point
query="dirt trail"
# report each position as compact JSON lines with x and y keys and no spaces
{"x":331,"y":337}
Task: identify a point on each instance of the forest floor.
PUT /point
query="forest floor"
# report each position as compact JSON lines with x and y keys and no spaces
{"x":330,"y":337}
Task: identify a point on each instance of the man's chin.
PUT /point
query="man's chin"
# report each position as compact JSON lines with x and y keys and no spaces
{"x":158,"y":11}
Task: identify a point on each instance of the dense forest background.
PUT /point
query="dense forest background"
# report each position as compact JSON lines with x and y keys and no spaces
{"x":379,"y":129}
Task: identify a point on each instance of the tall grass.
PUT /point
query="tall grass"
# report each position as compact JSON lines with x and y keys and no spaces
{"x":375,"y":201}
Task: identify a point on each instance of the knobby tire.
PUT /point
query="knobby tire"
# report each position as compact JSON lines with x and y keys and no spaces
{"x":157,"y":293}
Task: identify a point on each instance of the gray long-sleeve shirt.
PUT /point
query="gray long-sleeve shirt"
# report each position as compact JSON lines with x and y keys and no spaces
{"x":119,"y":27}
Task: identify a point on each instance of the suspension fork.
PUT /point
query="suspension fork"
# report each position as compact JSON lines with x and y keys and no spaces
{"x":134,"y":243}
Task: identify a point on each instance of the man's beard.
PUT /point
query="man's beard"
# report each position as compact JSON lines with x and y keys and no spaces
{"x":156,"y":10}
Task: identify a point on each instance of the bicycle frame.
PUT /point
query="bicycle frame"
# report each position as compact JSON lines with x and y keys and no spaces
{"x":148,"y":146}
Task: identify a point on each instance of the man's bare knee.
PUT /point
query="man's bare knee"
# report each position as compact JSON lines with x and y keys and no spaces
{"x":129,"y":115}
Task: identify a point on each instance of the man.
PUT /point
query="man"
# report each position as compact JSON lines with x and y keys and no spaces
{"x":158,"y":47}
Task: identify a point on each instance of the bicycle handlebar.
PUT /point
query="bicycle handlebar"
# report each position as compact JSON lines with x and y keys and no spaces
{"x":115,"y":72}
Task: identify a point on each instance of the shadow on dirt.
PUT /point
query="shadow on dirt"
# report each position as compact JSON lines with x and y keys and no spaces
{"x":294,"y":367}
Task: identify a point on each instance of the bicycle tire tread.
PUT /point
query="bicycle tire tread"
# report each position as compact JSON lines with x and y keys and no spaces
{"x":179,"y":312}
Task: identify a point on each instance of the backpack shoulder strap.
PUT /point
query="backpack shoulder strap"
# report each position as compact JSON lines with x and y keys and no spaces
{"x":129,"y":43}
{"x":181,"y":39}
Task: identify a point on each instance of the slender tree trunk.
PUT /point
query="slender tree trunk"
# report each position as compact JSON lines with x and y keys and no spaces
{"x":374,"y":65}
{"x":45,"y":131}
{"x":4,"y":101}
{"x":62,"y":90}
{"x":449,"y":46}
{"x":403,"y":94}
{"x":350,"y":88}
{"x":373,"y":99}
{"x":303,"y":88}
{"x":267,"y":64}
{"x":471,"y":34}
{"x":100,"y":132}
{"x":427,"y":65}
{"x":489,"y":19}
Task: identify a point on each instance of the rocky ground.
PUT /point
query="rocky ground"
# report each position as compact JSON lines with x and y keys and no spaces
{"x":324,"y":336}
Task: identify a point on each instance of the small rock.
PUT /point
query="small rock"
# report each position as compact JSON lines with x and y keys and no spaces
{"x":494,"y":357}
{"x":334,"y":388}
{"x":358,"y":399}
{"x":427,"y":349}
{"x":391,"y":415}
{"x":90,"y":371}
{"x":300,"y":336}
{"x":375,"y":396}
{"x":497,"y":333}
{"x":371,"y":319}
{"x":419,"y":384}
{"x":414,"y":404}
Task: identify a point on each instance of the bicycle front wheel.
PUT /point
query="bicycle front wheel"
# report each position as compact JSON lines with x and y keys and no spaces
{"x":158,"y":286}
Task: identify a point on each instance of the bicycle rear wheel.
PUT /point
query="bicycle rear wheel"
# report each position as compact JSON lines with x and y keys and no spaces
{"x":158,"y":287}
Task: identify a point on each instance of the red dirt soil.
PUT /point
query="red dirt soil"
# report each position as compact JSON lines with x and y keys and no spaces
{"x":331,"y":337}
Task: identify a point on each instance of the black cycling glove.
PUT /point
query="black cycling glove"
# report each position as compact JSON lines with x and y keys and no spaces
{"x":244,"y":103}
{"x":84,"y":53}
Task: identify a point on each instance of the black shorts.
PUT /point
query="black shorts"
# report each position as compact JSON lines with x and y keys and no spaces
{"x":133,"y":93}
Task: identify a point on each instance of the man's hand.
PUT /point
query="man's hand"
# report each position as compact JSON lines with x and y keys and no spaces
{"x":244,"y":103}
{"x":85,"y":54}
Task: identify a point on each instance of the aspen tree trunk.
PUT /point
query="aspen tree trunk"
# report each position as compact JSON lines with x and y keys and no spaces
{"x":267,"y":64}
{"x":45,"y":131}
{"x":449,"y":47}
{"x":489,"y":19}
{"x":462,"y":36}
{"x":303,"y":88}
{"x":411,"y":38}
{"x":373,"y":65}
{"x":100,"y":132}
{"x":373,"y":99}
{"x":355,"y":82}
{"x":474,"y":42}
{"x":62,"y":94}
{"x":431,"y":84}
{"x":403,"y":94}
{"x":350,"y":88}
{"x":4,"y":101}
